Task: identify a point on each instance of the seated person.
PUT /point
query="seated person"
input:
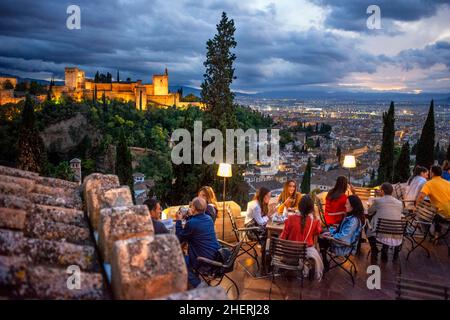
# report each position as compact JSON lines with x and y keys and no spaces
{"x":200,"y":236}
{"x":446,"y":170}
{"x":415,"y":184}
{"x":208,"y":194}
{"x":438,"y":190}
{"x":385,"y":207}
{"x":289,"y":198}
{"x":348,"y":231}
{"x":302,"y":227}
{"x":258,"y":214}
{"x":155,"y":212}
{"x":336,"y":200}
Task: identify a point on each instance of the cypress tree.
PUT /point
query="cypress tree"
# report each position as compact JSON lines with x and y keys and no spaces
{"x":401,"y":170}
{"x":305,"y":187}
{"x":118,"y":79}
{"x":219,"y":74}
{"x":339,"y":154}
{"x":448,"y":152}
{"x":386,"y":166}
{"x":31,"y":150}
{"x":425,"y":146}
{"x":124,"y":170}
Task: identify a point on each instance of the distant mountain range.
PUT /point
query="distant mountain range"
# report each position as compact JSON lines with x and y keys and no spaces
{"x":307,"y":95}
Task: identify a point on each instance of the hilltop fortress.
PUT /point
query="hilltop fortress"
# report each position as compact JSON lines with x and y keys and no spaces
{"x":157,"y":93}
{"x":77,"y":86}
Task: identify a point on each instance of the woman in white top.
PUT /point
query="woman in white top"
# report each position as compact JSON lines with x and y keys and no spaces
{"x":415,"y":184}
{"x":258,"y":208}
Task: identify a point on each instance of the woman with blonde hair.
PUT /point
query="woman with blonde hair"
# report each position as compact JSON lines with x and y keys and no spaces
{"x":289,"y":198}
{"x":207,"y":193}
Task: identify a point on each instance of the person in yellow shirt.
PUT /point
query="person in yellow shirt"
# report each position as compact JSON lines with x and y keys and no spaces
{"x":438,"y":190}
{"x":289,"y":197}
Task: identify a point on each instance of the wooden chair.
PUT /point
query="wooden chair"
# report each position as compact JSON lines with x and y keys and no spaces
{"x":390,"y":228}
{"x":423,"y":219}
{"x":409,"y":289}
{"x":320,"y":209}
{"x":364,"y":193}
{"x":213,"y":272}
{"x":288,"y":255}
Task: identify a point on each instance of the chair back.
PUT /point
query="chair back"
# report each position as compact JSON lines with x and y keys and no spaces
{"x":399,"y":192}
{"x":364,"y":193}
{"x":320,"y":209}
{"x":229,"y":265}
{"x":390,"y":227}
{"x":233,"y":222}
{"x":425,"y":211}
{"x":408,"y":289}
{"x":286,"y":252}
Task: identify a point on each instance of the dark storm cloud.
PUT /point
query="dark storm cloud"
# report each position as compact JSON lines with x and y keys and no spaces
{"x":437,"y":53}
{"x":141,"y":37}
{"x":352,"y":16}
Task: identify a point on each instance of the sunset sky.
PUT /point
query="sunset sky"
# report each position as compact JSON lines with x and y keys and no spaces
{"x":282,"y":45}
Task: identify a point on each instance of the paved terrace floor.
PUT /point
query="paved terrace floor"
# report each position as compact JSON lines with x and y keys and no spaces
{"x":337,"y":285}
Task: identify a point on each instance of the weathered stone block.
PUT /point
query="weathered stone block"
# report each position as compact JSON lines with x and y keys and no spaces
{"x":8,"y":171}
{"x":148,"y":267}
{"x":121,"y":223}
{"x":63,"y":215}
{"x":11,"y":188}
{"x":94,"y":187}
{"x":15,"y":202}
{"x":12,"y":218}
{"x":11,"y":242}
{"x":27,"y":184}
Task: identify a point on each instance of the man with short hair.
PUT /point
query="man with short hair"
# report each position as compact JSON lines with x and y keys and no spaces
{"x":438,"y":190}
{"x":200,"y":236}
{"x":385,"y":207}
{"x":154,"y":207}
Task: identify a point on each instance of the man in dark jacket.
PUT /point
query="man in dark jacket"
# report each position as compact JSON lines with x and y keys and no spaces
{"x":155,"y":212}
{"x":200,"y":236}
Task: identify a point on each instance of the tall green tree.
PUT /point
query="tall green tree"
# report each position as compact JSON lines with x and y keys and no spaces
{"x":448,"y":152}
{"x":339,"y":154}
{"x":425,"y":146}
{"x":386,"y":165}
{"x":124,"y":169}
{"x":32,"y":155}
{"x":401,"y":170}
{"x":216,"y":92}
{"x":305,"y":186}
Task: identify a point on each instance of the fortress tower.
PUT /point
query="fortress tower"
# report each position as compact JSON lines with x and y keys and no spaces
{"x":161,"y":84}
{"x":74,"y":78}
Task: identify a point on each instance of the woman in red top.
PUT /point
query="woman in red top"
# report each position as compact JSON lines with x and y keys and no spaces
{"x":302,"y":227}
{"x":336,"y":200}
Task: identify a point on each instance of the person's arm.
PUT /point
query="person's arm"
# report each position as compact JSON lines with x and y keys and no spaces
{"x":183,"y":234}
{"x":256,"y":214}
{"x":373,"y":208}
{"x":420,"y":198}
{"x":347,"y":230}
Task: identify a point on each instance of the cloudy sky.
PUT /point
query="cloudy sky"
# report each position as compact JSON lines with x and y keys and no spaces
{"x":282,"y":44}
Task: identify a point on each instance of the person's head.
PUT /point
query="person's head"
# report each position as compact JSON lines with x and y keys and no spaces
{"x":354,"y":207}
{"x":306,"y":206}
{"x":419,"y":171}
{"x":387,"y":189}
{"x":263,"y":197}
{"x":208,"y":194}
{"x":289,"y":190}
{"x":339,"y":188}
{"x":436,"y":171}
{"x":198,"y":205}
{"x":154,"y":207}
{"x":446,"y":165}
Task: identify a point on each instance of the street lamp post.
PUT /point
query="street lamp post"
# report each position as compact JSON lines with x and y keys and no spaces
{"x":349,"y":163}
{"x":225,"y":172}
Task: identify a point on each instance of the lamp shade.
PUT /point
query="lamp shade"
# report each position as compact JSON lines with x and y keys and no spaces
{"x":224,"y":170}
{"x":349,"y":162}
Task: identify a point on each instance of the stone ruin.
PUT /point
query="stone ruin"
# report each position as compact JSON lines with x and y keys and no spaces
{"x":48,"y":226}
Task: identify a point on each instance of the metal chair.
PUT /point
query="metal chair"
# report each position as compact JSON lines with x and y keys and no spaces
{"x":287,"y":255}
{"x":423,"y":216}
{"x":213,"y":271}
{"x":339,"y":261}
{"x":320,"y":208}
{"x":409,"y":289}
{"x":390,"y":228}
{"x":248,"y":246}
{"x":399,"y":193}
